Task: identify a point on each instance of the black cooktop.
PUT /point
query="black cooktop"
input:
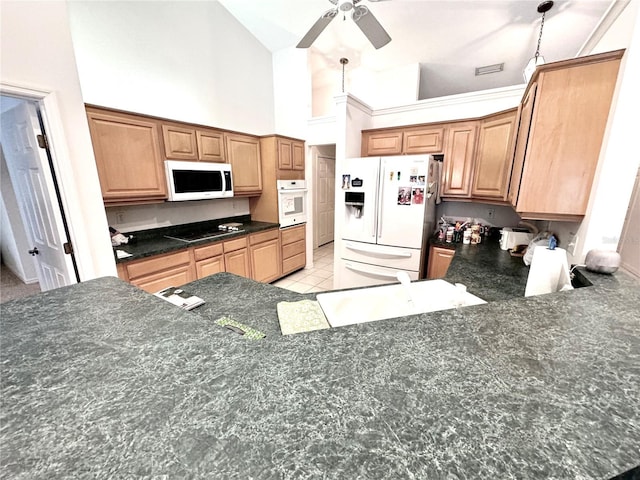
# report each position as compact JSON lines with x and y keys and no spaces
{"x":190,"y":237}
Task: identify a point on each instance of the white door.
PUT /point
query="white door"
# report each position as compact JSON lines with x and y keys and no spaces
{"x":402,"y":200}
{"x":30,"y":174}
{"x":325,"y":200}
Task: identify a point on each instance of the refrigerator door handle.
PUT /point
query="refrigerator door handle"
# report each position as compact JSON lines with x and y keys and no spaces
{"x":381,"y":177}
{"x":376,"y":250}
{"x":371,"y":272}
{"x":376,"y":219}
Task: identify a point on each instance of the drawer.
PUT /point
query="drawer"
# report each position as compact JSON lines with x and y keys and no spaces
{"x":207,"y":251}
{"x":237,"y":244}
{"x":293,"y":263}
{"x":260,"y":237}
{"x":293,"y":234}
{"x":293,"y":249}
{"x":158,"y":264}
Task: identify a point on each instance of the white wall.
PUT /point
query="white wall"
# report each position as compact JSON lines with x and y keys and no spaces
{"x":37,"y":53}
{"x":291,"y":92}
{"x":503,"y":216}
{"x":144,"y":217}
{"x":619,"y":160}
{"x":184,"y":60}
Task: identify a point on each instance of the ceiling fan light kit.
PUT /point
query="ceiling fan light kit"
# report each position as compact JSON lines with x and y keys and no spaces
{"x":537,"y":59}
{"x":362,"y":17}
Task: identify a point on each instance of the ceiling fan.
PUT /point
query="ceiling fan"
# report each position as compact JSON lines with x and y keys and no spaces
{"x":360,"y":14}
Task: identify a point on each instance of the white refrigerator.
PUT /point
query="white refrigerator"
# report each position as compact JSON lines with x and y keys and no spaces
{"x":387,"y":209}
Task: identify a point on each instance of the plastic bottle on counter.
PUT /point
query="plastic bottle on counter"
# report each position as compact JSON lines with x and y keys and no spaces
{"x":449,"y":237}
{"x":466,"y":239}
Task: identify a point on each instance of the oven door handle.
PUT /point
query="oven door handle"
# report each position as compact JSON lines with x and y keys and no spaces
{"x":292,"y":190}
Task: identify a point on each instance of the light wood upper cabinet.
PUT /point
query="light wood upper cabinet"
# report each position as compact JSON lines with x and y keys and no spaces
{"x":128,"y":158}
{"x":525,"y":111}
{"x":408,"y":140}
{"x":297,"y":150}
{"x":179,"y":142}
{"x":423,"y":140}
{"x":458,"y":159}
{"x":381,"y":143}
{"x":210,"y":145}
{"x":290,"y":154}
{"x":493,"y":158}
{"x":186,"y":142}
{"x":243,"y":153}
{"x":570,"y":113}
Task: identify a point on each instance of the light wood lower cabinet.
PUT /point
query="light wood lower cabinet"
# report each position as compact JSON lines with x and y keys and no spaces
{"x":265,"y":255}
{"x":258,"y":256}
{"x":294,"y":252}
{"x":160,"y":271}
{"x":236,"y":257}
{"x":209,"y":260}
{"x":439,"y":261}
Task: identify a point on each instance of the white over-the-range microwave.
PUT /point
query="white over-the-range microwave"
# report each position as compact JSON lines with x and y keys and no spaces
{"x":198,"y":180}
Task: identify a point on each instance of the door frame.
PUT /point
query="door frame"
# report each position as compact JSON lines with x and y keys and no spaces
{"x":51,"y":123}
{"x":326,"y":151}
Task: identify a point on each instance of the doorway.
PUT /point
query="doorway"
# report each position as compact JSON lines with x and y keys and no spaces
{"x":324,"y":173}
{"x":35,"y":245}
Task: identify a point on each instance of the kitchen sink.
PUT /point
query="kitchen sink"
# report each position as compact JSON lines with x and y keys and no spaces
{"x":361,"y":305}
{"x":578,"y":280}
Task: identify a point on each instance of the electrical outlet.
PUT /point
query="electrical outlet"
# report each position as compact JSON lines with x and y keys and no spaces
{"x":491,"y":213}
{"x":120,"y":217}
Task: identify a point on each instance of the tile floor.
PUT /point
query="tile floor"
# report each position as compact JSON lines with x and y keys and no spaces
{"x":316,"y":279}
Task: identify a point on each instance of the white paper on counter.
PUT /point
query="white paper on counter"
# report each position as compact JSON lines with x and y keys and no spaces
{"x":549,"y":272}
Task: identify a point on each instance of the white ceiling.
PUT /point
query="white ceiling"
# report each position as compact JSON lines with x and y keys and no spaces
{"x":448,"y":38}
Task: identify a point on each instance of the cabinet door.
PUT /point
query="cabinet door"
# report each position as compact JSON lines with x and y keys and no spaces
{"x":297,"y":150}
{"x":494,"y":156}
{"x":458,"y":159}
{"x":569,"y":119}
{"x":381,"y":143}
{"x":127,"y":152}
{"x":285,"y":155}
{"x":210,"y":146}
{"x":439,"y":261}
{"x":179,"y":142}
{"x":168,"y":278}
{"x":266,"y":261}
{"x":424,"y":140}
{"x":243,"y":153}
{"x":525,"y":113}
{"x":210,"y":266}
{"x":237,"y":262}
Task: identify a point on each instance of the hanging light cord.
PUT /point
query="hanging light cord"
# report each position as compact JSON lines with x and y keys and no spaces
{"x":343,"y":61}
{"x":537,"y":54}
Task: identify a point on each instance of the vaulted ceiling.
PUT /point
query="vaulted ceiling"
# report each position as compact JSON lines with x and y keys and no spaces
{"x":447,"y":38}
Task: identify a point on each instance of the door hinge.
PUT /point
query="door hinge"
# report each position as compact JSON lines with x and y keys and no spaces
{"x":42,"y":141}
{"x":68,"y":248}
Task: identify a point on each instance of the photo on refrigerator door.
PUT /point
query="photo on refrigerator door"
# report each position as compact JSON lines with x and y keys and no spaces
{"x":417,"y":196}
{"x":404,"y":196}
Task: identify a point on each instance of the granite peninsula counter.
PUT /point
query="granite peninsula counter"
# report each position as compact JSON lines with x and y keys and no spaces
{"x":101,"y":380}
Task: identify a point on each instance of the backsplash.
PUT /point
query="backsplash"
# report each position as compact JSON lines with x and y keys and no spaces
{"x":503,"y":216}
{"x":143,"y":217}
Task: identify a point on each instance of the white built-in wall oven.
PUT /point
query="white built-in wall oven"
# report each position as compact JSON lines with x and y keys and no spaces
{"x":292,"y":202}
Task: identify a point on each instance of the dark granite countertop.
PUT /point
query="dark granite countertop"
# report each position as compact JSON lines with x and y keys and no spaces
{"x":538,"y":387}
{"x":155,"y":242}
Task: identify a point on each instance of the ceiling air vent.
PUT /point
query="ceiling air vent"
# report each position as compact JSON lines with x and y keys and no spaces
{"x":498,"y":67}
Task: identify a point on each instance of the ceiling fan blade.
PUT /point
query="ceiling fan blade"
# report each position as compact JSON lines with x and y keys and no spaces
{"x":370,"y":26}
{"x":317,"y":28}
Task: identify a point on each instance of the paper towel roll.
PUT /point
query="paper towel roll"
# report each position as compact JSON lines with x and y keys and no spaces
{"x":549,"y":272}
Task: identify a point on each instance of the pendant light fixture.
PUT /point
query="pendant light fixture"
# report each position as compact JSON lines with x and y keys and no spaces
{"x":537,"y":59}
{"x":343,"y":62}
